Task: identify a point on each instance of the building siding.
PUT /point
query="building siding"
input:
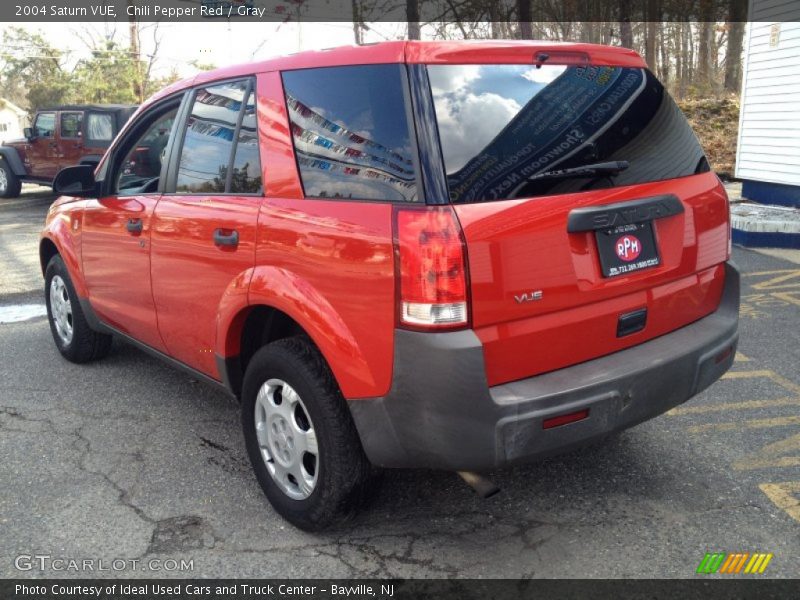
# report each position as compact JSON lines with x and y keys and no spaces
{"x":768,"y":148}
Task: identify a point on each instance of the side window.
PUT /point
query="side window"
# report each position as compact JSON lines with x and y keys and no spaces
{"x":141,"y":166}
{"x":246,"y":176}
{"x":351,"y":134}
{"x":208,"y":146}
{"x":100,"y":127}
{"x":45,"y":125}
{"x":71,"y":124}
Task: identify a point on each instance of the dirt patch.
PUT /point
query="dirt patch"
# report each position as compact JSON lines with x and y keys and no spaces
{"x":182,"y":533}
{"x":716,"y":123}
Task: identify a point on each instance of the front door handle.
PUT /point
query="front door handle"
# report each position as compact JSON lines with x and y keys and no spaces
{"x":221,"y":238}
{"x":134,"y":226}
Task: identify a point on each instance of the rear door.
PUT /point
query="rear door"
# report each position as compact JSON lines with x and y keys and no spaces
{"x":591,"y":218}
{"x":204,"y":229}
{"x":70,"y":139}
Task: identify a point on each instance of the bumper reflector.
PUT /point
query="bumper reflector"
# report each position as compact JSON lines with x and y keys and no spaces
{"x":565,"y":419}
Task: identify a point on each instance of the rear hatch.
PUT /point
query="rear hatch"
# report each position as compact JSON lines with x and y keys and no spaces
{"x":591,"y":218}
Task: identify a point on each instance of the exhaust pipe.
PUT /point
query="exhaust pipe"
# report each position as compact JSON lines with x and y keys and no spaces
{"x":482,"y":486}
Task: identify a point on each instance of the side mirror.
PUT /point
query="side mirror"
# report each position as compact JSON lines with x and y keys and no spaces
{"x":28,"y":133}
{"x":75,"y":181}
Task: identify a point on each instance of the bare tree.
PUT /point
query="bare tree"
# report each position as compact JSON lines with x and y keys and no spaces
{"x":524,"y":17}
{"x":412,"y":17}
{"x":625,"y":31}
{"x":737,"y":14}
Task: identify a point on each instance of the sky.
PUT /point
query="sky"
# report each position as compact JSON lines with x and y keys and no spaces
{"x":218,"y":43}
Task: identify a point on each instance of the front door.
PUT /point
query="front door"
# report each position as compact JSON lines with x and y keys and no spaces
{"x":204,"y":229}
{"x":41,"y":157}
{"x":117,"y":231}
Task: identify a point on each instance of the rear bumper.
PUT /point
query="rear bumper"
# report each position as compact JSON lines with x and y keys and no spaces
{"x":441,"y":413}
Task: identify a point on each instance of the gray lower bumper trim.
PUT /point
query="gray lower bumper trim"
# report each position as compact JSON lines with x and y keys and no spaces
{"x":441,"y":413}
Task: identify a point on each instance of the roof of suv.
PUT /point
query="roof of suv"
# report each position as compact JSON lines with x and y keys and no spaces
{"x":456,"y":52}
{"x":96,"y":107}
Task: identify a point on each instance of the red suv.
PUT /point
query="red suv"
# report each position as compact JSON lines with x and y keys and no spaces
{"x":447,"y":255}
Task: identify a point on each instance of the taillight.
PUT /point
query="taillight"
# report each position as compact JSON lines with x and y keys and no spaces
{"x":727,"y":217}
{"x":730,"y":226}
{"x":431,"y":269}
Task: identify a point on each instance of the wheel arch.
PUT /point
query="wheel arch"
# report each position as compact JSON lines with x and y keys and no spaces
{"x":57,"y":241}
{"x":47,"y":250}
{"x":278,"y":304}
{"x":14,"y":160}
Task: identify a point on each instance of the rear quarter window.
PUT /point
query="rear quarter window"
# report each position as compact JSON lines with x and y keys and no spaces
{"x":351,"y":132}
{"x":505,"y":129}
{"x":100,"y":127}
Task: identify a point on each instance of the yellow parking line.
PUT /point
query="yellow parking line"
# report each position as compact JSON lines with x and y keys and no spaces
{"x":783,"y":453}
{"x":746,"y":374}
{"x":782,"y":495}
{"x":788,"y":297}
{"x":740,"y":357}
{"x":748,"y":404}
{"x":772,"y":272}
{"x":783,"y":280}
{"x":751,"y":424}
{"x":768,"y":374}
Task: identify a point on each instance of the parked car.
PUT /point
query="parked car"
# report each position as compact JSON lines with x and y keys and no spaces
{"x":61,"y":136}
{"x":413,"y":254}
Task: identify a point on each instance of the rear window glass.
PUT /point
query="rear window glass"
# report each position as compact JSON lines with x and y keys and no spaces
{"x":100,"y":127}
{"x":350,"y":132}
{"x":509,"y":131}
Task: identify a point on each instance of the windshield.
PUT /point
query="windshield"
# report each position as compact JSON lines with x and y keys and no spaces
{"x":501,"y":125}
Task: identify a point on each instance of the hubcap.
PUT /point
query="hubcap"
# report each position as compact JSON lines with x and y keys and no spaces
{"x":61,"y":309}
{"x":287,"y":439}
{"x":3,"y":180}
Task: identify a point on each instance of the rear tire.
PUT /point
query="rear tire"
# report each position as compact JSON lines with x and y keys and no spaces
{"x":75,"y":340}
{"x":290,"y":396}
{"x":10,"y":184}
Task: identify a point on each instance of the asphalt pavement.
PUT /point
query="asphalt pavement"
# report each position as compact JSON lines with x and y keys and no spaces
{"x":128,"y":459}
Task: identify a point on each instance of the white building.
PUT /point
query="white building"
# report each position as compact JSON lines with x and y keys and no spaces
{"x":768,"y":150}
{"x":12,"y":121}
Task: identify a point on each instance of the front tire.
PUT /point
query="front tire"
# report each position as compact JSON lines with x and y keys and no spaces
{"x":75,"y":340}
{"x":10,"y":184}
{"x":300,"y":437}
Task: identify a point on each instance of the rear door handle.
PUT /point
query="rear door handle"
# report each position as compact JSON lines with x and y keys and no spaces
{"x":226,"y":239}
{"x":134,"y":226}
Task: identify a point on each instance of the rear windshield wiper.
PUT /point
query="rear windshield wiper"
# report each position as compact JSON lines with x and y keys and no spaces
{"x":605,"y":168}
